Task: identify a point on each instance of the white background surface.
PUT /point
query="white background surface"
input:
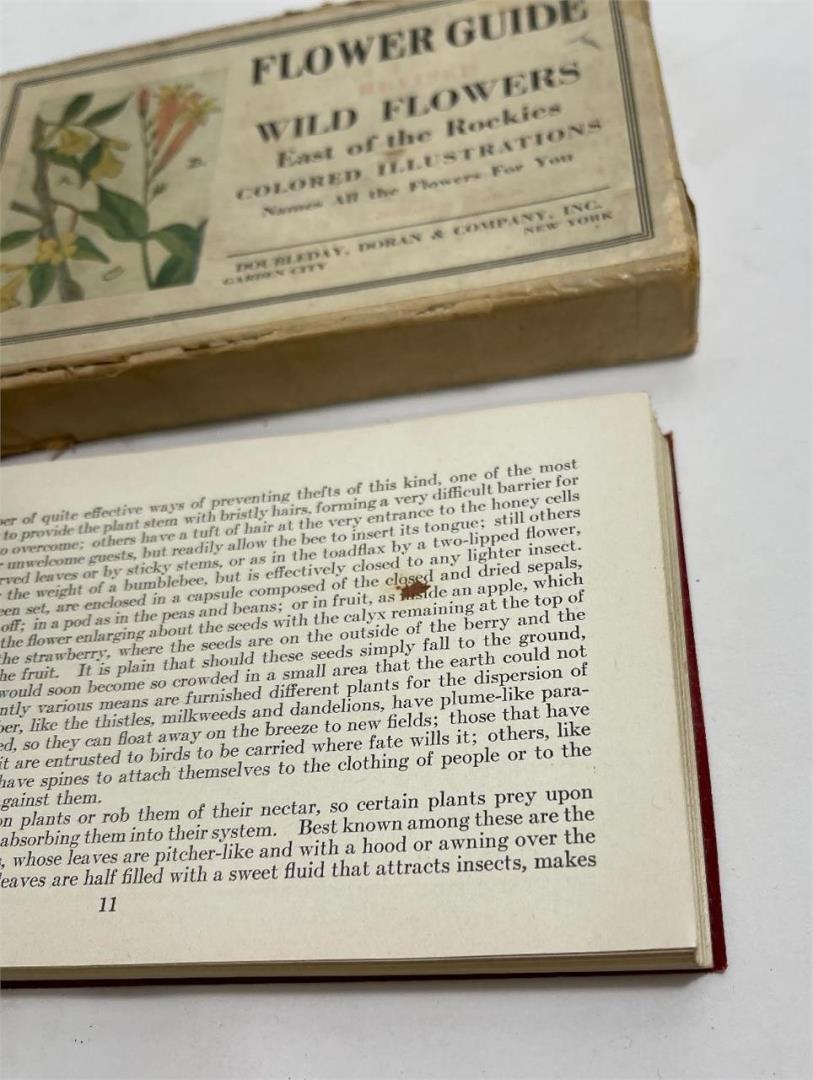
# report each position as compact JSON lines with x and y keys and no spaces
{"x":738,"y":79}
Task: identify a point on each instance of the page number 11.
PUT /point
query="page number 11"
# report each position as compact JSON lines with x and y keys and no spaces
{"x":108,"y":903}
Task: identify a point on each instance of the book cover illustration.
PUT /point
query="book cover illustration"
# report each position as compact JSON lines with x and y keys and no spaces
{"x":133,"y":153}
{"x":112,"y":198}
{"x":267,"y":202}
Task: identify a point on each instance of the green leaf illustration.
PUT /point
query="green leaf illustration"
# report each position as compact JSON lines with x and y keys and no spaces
{"x":175,"y":271}
{"x":101,"y":116}
{"x":120,"y":217}
{"x":74,"y":107}
{"x":86,"y":249}
{"x":16,"y":239}
{"x":67,"y":161}
{"x":181,"y":240}
{"x":41,"y":278}
{"x":90,"y":160}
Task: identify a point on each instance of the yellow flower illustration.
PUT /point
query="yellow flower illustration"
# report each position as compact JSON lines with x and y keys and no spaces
{"x":173,"y":92}
{"x":56,"y":251}
{"x":73,"y":142}
{"x":197,"y":108}
{"x":47,"y":251}
{"x":8,"y":293}
{"x":108,"y":166}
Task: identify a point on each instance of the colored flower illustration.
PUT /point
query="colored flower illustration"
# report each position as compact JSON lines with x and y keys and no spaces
{"x":8,"y":293}
{"x":56,"y":250}
{"x":193,"y":113}
{"x":73,"y":142}
{"x":58,"y":230}
{"x":171,"y":101}
{"x":143,"y":100}
{"x":108,"y":165}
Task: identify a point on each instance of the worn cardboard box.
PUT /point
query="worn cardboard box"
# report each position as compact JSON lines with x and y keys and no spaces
{"x":355,"y":201}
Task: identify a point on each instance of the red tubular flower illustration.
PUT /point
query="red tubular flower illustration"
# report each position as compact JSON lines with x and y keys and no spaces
{"x":192,"y":115}
{"x":171,"y":101}
{"x":143,"y":101}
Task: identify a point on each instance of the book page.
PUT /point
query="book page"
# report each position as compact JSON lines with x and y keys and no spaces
{"x":398,"y":692}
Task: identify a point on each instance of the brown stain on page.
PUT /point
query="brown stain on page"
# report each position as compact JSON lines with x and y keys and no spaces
{"x":413,"y":589}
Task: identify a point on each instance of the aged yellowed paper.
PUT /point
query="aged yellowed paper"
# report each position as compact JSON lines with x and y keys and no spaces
{"x":392,"y":694}
{"x":324,"y":165}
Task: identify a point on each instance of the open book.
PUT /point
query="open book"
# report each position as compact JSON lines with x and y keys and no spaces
{"x":416,"y":698}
